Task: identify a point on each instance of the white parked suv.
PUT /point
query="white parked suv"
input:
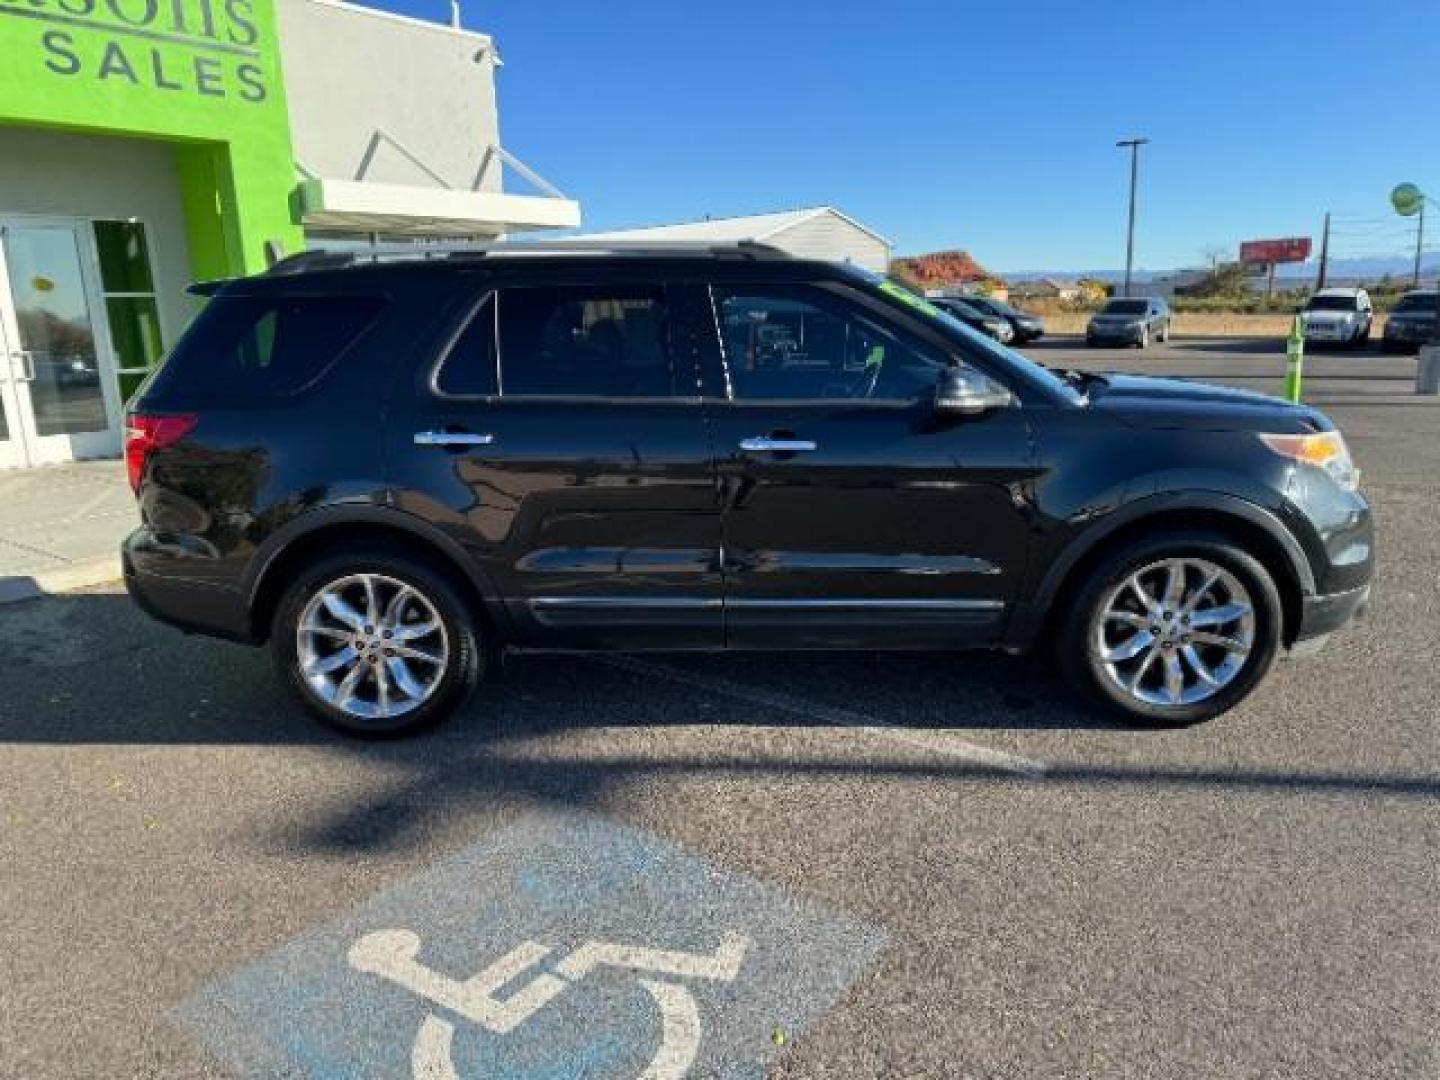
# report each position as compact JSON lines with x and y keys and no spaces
{"x":1339,"y":315}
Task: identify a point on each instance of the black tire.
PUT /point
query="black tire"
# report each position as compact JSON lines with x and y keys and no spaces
{"x":468,"y":658}
{"x":1164,"y":335}
{"x":1075,"y":643}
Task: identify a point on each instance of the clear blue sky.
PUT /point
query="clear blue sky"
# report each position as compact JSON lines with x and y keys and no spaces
{"x":986,"y":126}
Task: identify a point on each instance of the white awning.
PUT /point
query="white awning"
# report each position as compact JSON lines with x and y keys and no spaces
{"x":364,"y":207}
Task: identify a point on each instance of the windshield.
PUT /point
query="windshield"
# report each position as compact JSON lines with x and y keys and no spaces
{"x":961,"y":308}
{"x":977,"y":341}
{"x":1332,"y":303}
{"x":1003,"y":308}
{"x":1417,"y":302}
{"x":1125,"y":307}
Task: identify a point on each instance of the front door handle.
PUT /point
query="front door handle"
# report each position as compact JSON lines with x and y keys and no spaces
{"x":764,"y":443}
{"x":452,"y":438}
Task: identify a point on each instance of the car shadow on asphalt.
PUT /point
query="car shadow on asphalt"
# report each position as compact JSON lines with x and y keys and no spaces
{"x":90,"y":668}
{"x":92,"y":671}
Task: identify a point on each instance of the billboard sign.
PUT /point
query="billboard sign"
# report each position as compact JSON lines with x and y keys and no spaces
{"x":1268,"y":252}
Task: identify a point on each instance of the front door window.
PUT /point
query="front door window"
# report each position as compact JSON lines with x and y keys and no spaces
{"x":792,"y":343}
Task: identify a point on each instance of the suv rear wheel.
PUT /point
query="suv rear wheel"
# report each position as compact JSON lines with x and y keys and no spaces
{"x":1172,"y":630}
{"x":376,"y":644}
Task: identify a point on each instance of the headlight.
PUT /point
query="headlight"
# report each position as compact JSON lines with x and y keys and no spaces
{"x":1324,"y":450}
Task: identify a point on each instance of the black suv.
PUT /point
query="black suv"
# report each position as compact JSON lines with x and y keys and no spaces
{"x":390,"y":467}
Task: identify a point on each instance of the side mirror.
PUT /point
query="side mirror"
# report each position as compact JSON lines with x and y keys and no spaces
{"x":964,"y":392}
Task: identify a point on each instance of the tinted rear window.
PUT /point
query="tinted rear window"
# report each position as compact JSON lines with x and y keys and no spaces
{"x":247,"y":348}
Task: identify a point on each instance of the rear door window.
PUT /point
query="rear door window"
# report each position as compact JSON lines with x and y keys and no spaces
{"x":585,"y":341}
{"x":469,"y":367}
{"x":248,"y":348}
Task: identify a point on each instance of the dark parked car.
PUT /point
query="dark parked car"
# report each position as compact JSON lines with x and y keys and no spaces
{"x":1027,"y":327}
{"x":991,"y":326}
{"x":390,"y":467}
{"x":1129,"y":322}
{"x":1412,"y":321}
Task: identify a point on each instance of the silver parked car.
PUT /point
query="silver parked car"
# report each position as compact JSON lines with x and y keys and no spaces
{"x":1130,"y":322}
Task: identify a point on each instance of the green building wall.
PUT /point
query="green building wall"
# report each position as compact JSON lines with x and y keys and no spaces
{"x":203,"y":75}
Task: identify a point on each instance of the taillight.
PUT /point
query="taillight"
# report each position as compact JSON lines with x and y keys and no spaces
{"x":146,"y":434}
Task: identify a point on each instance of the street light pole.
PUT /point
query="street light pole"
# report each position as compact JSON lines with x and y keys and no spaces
{"x":1134,"y":145}
{"x":1419,"y":241}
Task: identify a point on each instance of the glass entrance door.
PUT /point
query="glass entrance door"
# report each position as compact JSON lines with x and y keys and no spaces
{"x":60,"y":401}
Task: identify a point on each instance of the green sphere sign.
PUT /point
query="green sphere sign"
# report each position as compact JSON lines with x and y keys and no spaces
{"x":1407,"y":199}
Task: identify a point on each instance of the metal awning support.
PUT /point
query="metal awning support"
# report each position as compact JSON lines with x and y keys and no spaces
{"x":493,"y":151}
{"x":381,"y":135}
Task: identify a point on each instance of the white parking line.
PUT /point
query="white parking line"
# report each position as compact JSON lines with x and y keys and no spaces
{"x":934,"y":741}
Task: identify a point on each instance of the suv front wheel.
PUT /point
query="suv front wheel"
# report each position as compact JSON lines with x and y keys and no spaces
{"x":1173,"y":629}
{"x":376,"y":644}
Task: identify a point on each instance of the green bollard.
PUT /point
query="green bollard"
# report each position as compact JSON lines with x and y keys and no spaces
{"x":1294,"y":360}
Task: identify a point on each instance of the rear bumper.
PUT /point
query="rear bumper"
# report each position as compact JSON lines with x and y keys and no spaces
{"x":1321,"y":616}
{"x":195,"y":607}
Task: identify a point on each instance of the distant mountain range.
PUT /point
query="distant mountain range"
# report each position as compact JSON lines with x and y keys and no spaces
{"x":1362,"y":269}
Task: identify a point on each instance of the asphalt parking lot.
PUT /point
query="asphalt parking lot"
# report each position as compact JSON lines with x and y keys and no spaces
{"x":788,"y":865}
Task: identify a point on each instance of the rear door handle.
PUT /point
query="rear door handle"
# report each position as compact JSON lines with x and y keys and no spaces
{"x":452,"y":438}
{"x":764,"y":443}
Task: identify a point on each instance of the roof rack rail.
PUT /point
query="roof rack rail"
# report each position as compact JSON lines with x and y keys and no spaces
{"x":307,"y":261}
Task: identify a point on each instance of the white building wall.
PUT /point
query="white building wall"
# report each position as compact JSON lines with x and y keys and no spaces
{"x":829,"y":236}
{"x":94,"y":176}
{"x":350,"y":70}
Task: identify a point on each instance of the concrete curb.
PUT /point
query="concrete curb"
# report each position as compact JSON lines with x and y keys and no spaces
{"x":80,"y":575}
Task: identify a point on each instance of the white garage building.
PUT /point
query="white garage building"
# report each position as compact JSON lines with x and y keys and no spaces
{"x":818,"y":232}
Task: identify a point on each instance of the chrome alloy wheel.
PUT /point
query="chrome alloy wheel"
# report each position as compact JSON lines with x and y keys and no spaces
{"x":1175,"y":632}
{"x":371,"y":646}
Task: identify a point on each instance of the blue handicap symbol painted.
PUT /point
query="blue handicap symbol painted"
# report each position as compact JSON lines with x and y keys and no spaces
{"x":561,"y":946}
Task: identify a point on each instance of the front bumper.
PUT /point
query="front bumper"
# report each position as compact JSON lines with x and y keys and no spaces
{"x":1120,"y":335}
{"x":1321,"y":616}
{"x":1407,"y":333}
{"x":1332,"y":334}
